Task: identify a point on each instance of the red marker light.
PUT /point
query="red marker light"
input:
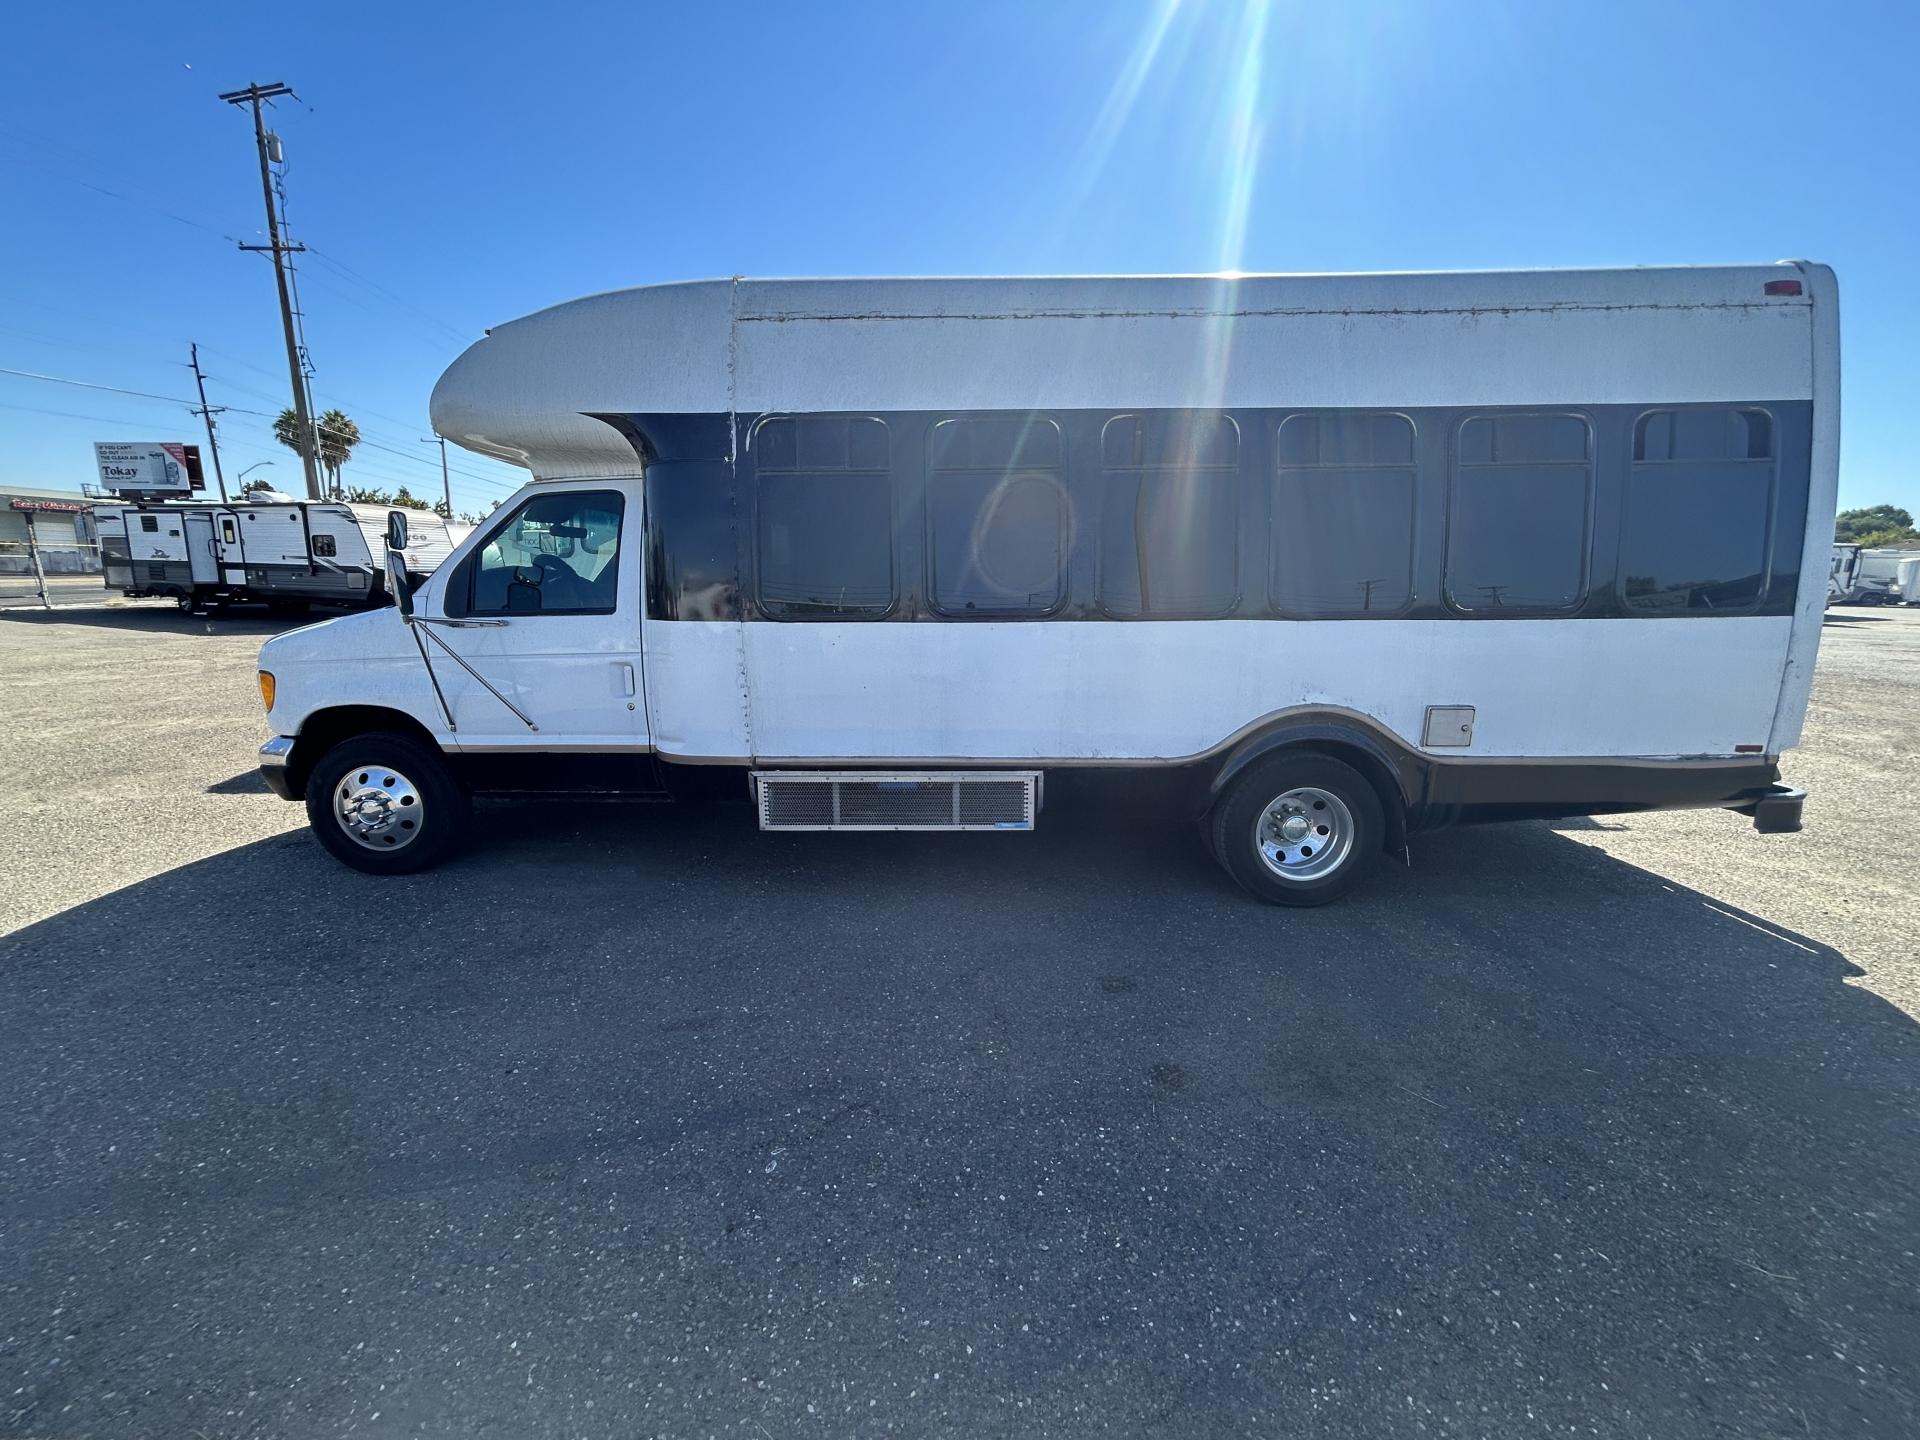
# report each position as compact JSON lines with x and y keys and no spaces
{"x":1783,"y":287}
{"x":1748,"y":749}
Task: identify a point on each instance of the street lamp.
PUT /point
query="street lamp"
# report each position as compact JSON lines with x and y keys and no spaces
{"x":239,"y":481}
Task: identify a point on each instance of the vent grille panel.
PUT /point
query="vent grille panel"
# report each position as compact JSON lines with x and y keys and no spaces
{"x":784,"y":806}
{"x":994,"y":802}
{"x":900,"y":800}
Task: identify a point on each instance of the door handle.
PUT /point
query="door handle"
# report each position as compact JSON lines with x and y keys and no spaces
{"x":626,"y":676}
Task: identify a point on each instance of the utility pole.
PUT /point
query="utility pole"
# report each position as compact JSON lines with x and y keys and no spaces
{"x":268,"y":145}
{"x":207,"y":413}
{"x":446,"y":482}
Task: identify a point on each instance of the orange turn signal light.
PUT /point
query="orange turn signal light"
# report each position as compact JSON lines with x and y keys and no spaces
{"x":266,"y":689}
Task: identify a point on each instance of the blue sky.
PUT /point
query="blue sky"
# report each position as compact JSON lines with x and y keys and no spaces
{"x":456,"y":166}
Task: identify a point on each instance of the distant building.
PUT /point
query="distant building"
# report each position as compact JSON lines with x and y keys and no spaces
{"x":69,"y":544}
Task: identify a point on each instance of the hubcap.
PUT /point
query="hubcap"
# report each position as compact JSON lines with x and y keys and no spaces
{"x":378,"y":807}
{"x":1304,"y":834}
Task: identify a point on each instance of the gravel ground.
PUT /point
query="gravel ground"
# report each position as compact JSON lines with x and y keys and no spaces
{"x":635,"y":1121}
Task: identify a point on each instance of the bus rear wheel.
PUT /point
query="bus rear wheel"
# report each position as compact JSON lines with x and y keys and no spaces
{"x":383,"y":804}
{"x":1299,"y":828}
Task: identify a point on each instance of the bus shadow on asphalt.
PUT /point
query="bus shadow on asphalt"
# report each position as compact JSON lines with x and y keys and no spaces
{"x":1508,"y":1125}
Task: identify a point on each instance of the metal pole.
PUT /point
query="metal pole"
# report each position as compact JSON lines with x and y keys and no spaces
{"x":446,"y":481}
{"x":207,"y":415}
{"x":253,"y":95}
{"x":33,"y":551}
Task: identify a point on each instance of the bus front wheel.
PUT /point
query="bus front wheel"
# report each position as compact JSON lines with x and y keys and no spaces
{"x":383,"y":804}
{"x":1299,"y":828}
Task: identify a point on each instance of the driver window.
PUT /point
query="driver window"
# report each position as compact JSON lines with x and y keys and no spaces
{"x":555,"y":555}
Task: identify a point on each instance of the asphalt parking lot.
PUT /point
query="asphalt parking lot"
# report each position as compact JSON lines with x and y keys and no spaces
{"x":635,"y":1121}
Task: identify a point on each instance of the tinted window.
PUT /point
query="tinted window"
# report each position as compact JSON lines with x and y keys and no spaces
{"x":691,"y":570}
{"x":1517,"y":523}
{"x":555,"y":555}
{"x":1698,"y":502}
{"x":1169,"y":515}
{"x":824,"y":517}
{"x":996,"y":517}
{"x":1343,"y":515}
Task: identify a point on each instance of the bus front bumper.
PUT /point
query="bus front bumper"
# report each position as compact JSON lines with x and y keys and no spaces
{"x":273,"y":766}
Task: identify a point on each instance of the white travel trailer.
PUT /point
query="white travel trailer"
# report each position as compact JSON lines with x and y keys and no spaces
{"x":1345,"y":556}
{"x":290,"y":553}
{"x":1907,"y":579}
{"x":1876,"y":577}
{"x":1843,"y":572}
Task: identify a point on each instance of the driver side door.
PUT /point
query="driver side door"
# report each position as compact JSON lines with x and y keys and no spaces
{"x":546,"y":609}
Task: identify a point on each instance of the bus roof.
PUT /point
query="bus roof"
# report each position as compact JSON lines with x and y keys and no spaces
{"x":527,"y":393}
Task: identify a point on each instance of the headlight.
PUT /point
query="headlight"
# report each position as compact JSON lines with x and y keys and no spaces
{"x":266,"y":689}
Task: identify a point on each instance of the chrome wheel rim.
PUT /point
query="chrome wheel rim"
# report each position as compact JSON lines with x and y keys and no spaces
{"x":378,"y":808}
{"x":1304,"y":834}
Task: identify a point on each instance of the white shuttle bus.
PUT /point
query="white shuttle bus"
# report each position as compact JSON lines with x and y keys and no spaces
{"x":1345,"y":557}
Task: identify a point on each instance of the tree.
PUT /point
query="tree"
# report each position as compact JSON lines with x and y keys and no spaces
{"x":402,"y":498}
{"x":286,"y":429}
{"x":336,"y":435}
{"x":1875,"y":525}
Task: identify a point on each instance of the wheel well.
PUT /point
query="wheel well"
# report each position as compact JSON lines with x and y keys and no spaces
{"x":1377,"y":770}
{"x":325,"y":729}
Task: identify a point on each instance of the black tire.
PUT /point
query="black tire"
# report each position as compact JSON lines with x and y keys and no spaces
{"x":1344,"y":809}
{"x":407,"y":806}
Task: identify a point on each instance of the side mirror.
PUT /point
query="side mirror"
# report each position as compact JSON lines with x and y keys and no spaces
{"x":396,"y":530}
{"x":397,"y":585}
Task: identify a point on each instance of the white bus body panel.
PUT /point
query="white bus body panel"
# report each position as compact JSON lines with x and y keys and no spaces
{"x":1075,"y":692}
{"x":1655,"y":689}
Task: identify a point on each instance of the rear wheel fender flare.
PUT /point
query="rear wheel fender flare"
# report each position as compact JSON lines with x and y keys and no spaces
{"x":1387,"y":772}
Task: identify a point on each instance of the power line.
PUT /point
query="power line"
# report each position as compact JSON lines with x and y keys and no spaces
{"x":89,"y":385}
{"x":192,"y":408}
{"x":459,"y":335}
{"x":71,"y":415}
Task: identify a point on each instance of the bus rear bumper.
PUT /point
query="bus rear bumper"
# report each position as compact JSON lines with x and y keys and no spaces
{"x":1778,"y":811}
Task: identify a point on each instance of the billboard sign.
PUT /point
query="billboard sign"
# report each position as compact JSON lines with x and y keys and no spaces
{"x":147,"y":469}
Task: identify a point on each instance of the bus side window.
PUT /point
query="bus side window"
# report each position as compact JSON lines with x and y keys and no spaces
{"x":996,"y":518}
{"x":823,"y":502}
{"x":1699,"y":505}
{"x":1343,"y":507}
{"x":1169,"y":515}
{"x":1518,"y":513}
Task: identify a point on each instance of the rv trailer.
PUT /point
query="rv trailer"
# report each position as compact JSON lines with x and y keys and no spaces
{"x":288,"y":553}
{"x":1876,"y":577}
{"x":1343,"y":557}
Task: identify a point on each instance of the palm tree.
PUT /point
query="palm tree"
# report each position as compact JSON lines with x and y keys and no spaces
{"x":336,"y":433}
